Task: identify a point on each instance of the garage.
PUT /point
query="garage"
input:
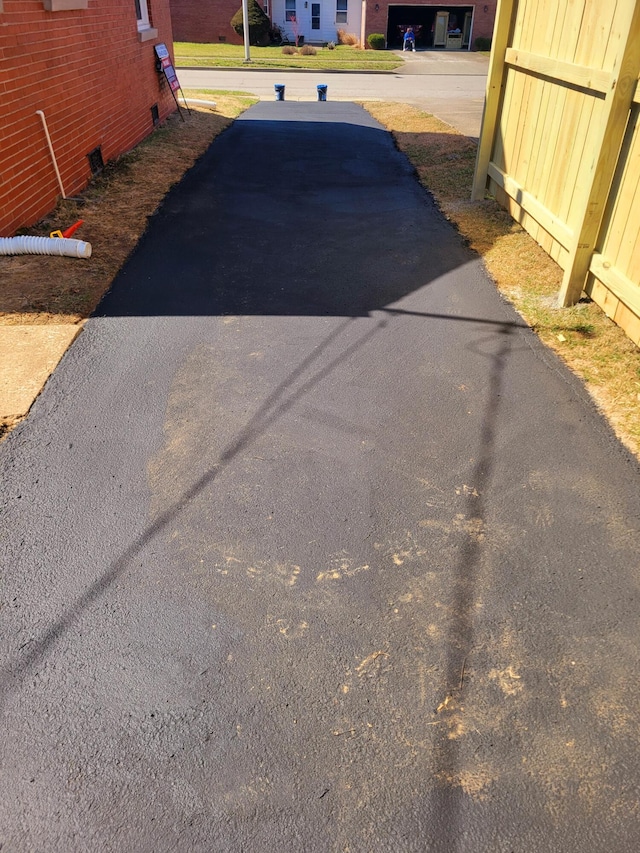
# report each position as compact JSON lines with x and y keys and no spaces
{"x":436,"y":27}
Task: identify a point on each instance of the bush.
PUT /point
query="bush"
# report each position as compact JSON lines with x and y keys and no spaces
{"x":347,"y":38}
{"x":308,"y":50}
{"x":331,"y":45}
{"x":376,"y":41}
{"x":289,"y":50}
{"x":482,"y":43}
{"x":275,"y":34}
{"x":259,"y":23}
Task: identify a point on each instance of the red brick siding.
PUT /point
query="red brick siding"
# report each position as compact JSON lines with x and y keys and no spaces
{"x":205,"y":21}
{"x":94,"y":81}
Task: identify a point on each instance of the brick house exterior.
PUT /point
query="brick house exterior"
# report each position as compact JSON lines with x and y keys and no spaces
{"x":202,"y":21}
{"x":89,"y":66}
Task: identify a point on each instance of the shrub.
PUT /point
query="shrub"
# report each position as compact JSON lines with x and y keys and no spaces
{"x":289,"y":50}
{"x":275,"y":34}
{"x":259,"y":23}
{"x":347,"y":38}
{"x":308,"y":50}
{"x":376,"y":41}
{"x":482,"y":43}
{"x":331,"y":45}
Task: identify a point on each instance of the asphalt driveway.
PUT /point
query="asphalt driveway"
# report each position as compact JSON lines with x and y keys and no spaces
{"x":309,"y":544}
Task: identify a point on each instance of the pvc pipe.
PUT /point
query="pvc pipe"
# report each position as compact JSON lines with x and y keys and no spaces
{"x":211,"y":104}
{"x":53,"y":156}
{"x":28,"y":245}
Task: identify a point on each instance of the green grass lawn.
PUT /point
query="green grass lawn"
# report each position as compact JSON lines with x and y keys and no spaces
{"x":342,"y":58}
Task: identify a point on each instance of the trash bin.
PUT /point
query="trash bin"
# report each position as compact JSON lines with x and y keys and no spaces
{"x":279,"y":87}
{"x":322,"y":91}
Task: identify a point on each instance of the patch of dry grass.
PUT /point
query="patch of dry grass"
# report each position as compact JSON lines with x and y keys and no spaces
{"x":589,"y":343}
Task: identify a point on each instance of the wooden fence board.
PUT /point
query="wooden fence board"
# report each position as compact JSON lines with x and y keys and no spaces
{"x":607,"y":141}
{"x":495,"y":87}
{"x":624,"y":210}
{"x":594,"y":80}
{"x":564,"y":80}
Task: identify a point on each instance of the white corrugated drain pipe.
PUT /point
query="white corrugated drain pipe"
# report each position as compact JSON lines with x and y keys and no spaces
{"x":28,"y":245}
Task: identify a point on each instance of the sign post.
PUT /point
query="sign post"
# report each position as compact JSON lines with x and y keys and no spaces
{"x":163,"y":63}
{"x":245,"y":29}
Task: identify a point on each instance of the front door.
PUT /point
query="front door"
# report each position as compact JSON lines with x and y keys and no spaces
{"x":315,"y":20}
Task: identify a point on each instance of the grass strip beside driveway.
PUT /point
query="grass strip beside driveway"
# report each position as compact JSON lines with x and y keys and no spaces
{"x":341,"y":58}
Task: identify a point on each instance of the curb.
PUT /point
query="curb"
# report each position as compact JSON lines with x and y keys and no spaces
{"x":283,"y":70}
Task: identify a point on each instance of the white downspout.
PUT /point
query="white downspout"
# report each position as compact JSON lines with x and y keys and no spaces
{"x":53,"y":156}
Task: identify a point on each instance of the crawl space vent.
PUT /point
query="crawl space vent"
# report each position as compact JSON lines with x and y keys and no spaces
{"x":96,"y":163}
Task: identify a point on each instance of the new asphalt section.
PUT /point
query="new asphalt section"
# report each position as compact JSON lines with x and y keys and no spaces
{"x":309,"y":544}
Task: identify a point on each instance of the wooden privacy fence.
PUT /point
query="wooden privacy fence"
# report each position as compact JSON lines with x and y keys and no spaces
{"x":560,"y":141}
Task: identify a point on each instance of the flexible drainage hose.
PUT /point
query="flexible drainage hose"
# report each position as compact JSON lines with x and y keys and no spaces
{"x":44,"y":246}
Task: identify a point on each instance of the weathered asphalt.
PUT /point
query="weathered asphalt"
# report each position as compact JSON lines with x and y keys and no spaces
{"x":309,"y":544}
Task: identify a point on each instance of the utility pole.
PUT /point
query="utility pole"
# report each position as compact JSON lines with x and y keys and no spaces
{"x":245,"y":29}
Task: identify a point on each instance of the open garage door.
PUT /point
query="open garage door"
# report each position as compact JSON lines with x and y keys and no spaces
{"x":436,"y":27}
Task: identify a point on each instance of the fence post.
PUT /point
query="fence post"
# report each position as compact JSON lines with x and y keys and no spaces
{"x":604,"y":153}
{"x":495,"y":85}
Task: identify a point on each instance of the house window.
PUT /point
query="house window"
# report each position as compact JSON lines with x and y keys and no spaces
{"x":289,"y":10}
{"x":315,"y":16}
{"x":266,"y":7}
{"x":142,"y":14}
{"x":341,"y":11}
{"x":145,"y":30}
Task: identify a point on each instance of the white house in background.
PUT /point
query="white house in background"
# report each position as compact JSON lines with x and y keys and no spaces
{"x":316,"y":21}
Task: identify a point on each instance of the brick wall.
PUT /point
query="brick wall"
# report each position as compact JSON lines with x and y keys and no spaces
{"x":204,"y":21}
{"x":87,"y":70}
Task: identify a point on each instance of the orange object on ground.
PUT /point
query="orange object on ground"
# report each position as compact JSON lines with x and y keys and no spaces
{"x":73,"y":228}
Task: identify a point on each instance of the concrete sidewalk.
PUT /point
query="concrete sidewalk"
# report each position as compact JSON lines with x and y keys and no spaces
{"x":309,"y":544}
{"x":449,"y":85}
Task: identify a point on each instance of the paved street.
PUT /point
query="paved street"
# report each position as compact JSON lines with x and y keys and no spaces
{"x":449,"y":85}
{"x":309,"y":544}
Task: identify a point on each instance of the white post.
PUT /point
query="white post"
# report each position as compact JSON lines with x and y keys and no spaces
{"x":363,"y":24}
{"x":245,"y":29}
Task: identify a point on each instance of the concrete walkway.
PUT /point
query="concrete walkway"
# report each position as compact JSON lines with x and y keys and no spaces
{"x":309,"y":545}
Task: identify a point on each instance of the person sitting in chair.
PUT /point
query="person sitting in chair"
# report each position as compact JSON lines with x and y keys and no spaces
{"x":409,"y":40}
